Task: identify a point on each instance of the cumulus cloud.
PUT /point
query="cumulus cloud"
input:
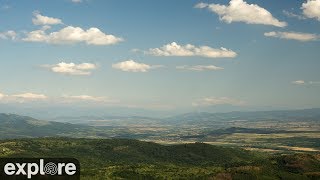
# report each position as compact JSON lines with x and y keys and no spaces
{"x":72,"y":68}
{"x":8,"y":35}
{"x":174,"y":49}
{"x":311,"y":9}
{"x":241,"y":11}
{"x":210,"y":101}
{"x":72,"y":35}
{"x":44,"y":20}
{"x":200,"y":68}
{"x":132,"y":66}
{"x":293,"y":35}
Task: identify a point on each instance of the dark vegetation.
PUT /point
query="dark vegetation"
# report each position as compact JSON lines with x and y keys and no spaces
{"x":133,"y":159}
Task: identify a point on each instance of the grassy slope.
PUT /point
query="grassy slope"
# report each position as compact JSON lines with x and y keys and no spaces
{"x":132,"y":159}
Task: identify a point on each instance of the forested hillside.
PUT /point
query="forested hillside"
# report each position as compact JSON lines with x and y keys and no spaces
{"x":133,"y":159}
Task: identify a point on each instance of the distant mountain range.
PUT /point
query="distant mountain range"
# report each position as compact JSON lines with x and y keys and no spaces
{"x":194,"y":118}
{"x":15,"y":126}
{"x":49,"y":112}
{"x":281,"y":115}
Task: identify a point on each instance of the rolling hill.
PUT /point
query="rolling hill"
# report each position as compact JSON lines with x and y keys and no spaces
{"x":15,"y":126}
{"x":133,"y":159}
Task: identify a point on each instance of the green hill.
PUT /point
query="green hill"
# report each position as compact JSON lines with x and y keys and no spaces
{"x":132,"y":159}
{"x":15,"y":126}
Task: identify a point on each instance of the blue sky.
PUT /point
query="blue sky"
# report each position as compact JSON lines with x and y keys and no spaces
{"x":160,"y":54}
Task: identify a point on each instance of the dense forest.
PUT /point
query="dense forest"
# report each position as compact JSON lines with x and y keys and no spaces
{"x":133,"y":159}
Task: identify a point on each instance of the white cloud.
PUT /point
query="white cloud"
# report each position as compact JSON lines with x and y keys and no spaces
{"x":311,"y":9}
{"x":210,"y":101}
{"x":241,"y":11}
{"x":174,"y":49}
{"x":33,"y":97}
{"x":2,"y":96}
{"x":200,"y":68}
{"x":21,"y":98}
{"x":292,"y":15}
{"x":71,"y":35}
{"x":72,"y":68}
{"x":302,"y":82}
{"x":201,"y":5}
{"x":44,"y":20}
{"x":293,"y":35}
{"x":8,"y":35}
{"x":298,"y":82}
{"x":30,"y":96}
{"x":135,"y":50}
{"x":45,"y":27}
{"x":85,"y":98}
{"x":132,"y":66}
{"x":76,"y":1}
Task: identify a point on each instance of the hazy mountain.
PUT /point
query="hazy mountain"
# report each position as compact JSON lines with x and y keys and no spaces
{"x":15,"y":126}
{"x":45,"y":111}
{"x":281,"y":115}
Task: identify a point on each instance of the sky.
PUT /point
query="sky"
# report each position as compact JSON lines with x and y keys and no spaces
{"x":160,"y":55}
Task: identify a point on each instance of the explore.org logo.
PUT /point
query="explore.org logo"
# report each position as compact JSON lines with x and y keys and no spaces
{"x":39,"y":168}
